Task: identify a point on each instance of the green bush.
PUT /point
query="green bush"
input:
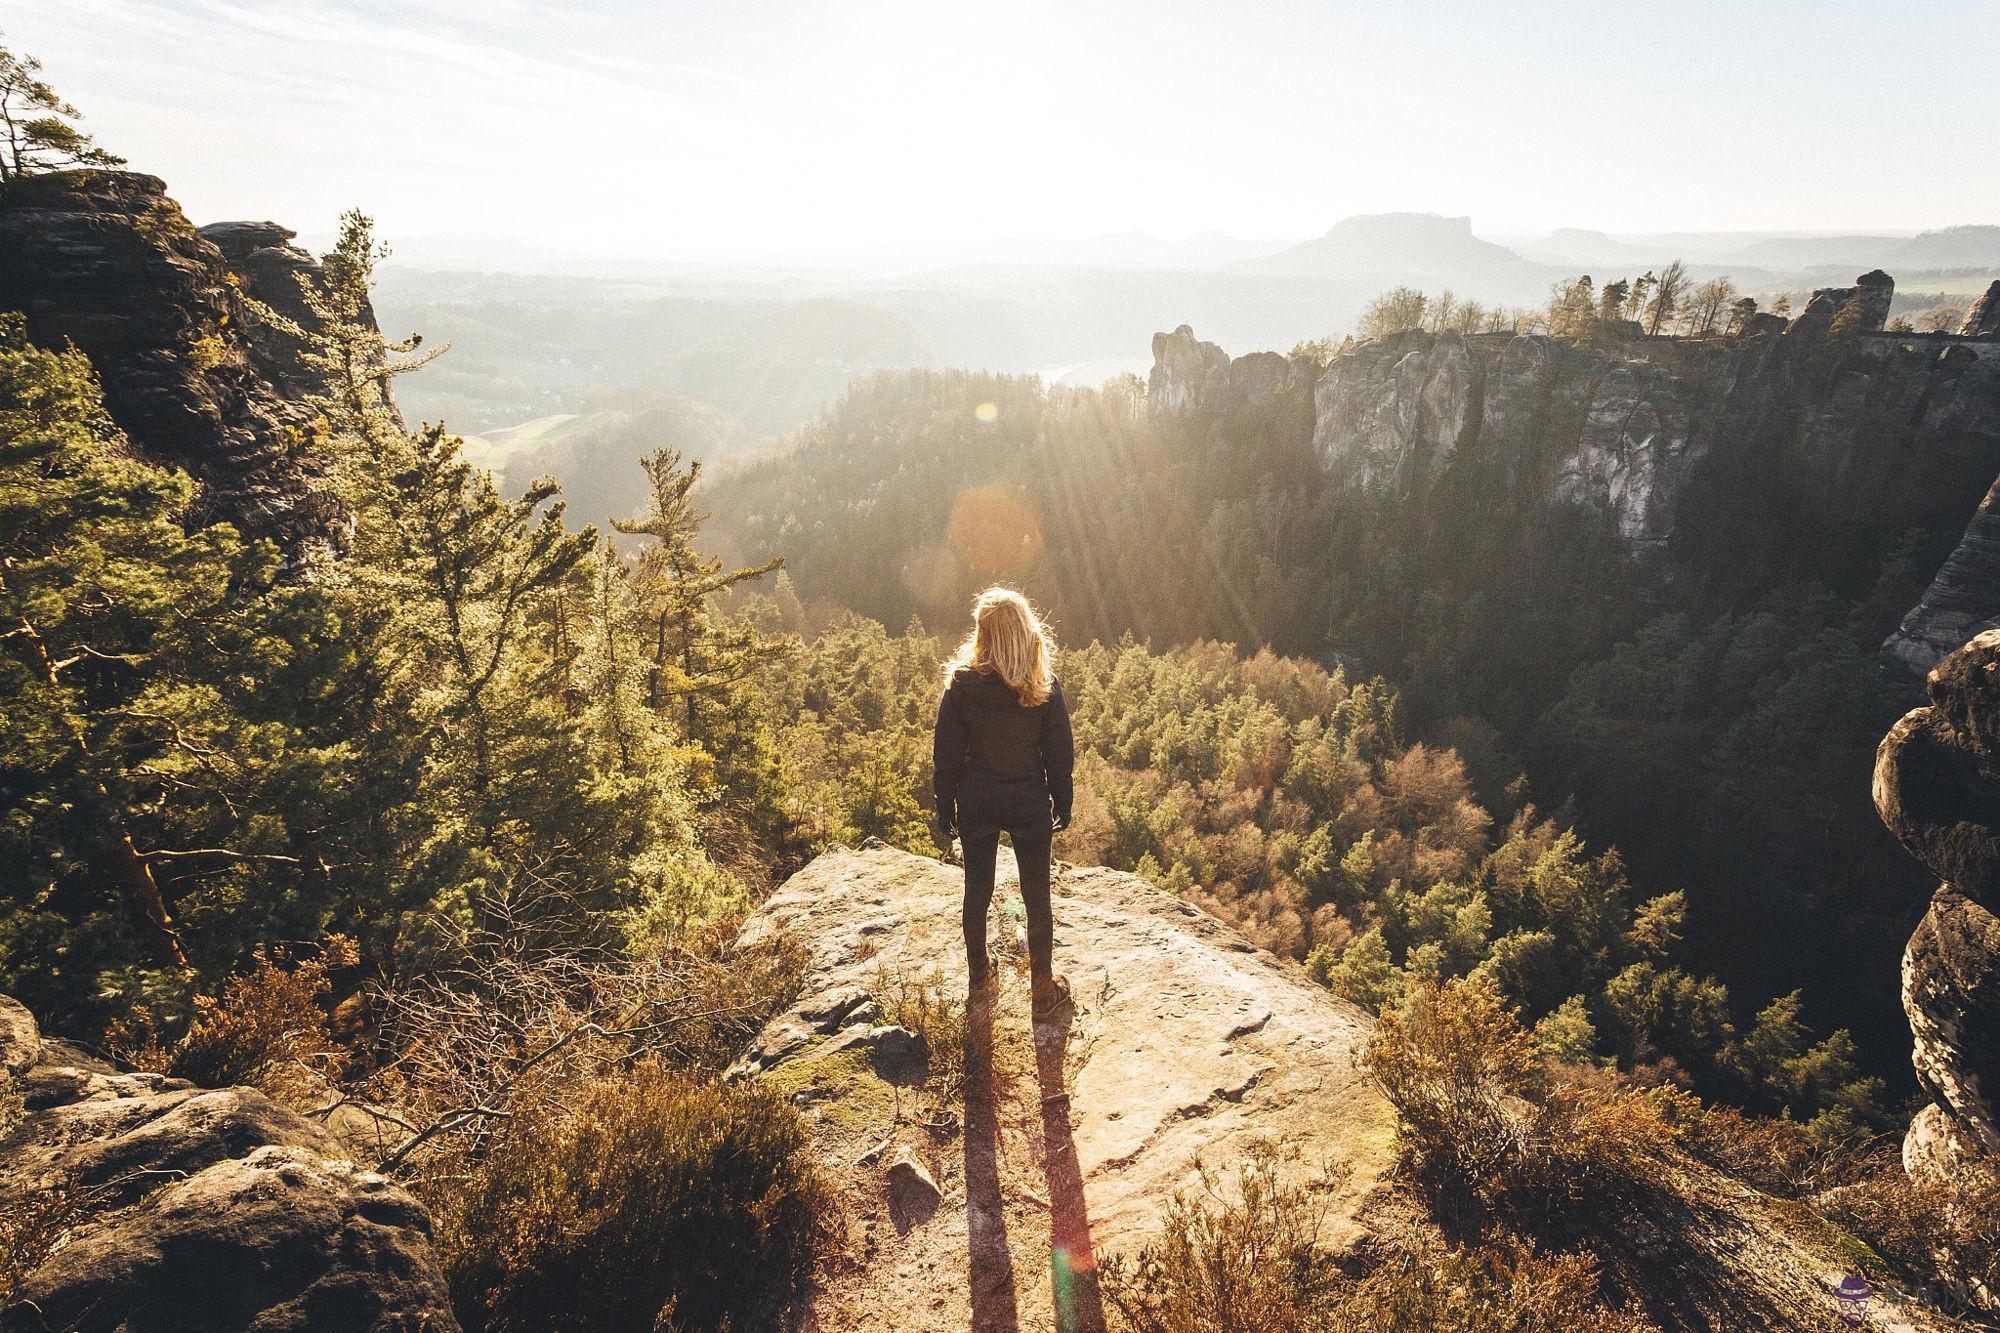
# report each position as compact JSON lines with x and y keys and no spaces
{"x":662,"y":1202}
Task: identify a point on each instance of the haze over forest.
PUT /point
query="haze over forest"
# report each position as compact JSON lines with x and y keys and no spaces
{"x":488,"y":491}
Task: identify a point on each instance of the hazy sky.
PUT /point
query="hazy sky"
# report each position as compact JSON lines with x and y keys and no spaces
{"x":745,"y":126}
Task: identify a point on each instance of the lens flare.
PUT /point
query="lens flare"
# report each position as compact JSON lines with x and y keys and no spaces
{"x":996,"y":530}
{"x":986,"y":413}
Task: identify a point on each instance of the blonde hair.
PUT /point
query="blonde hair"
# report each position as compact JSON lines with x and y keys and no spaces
{"x":1009,"y":639}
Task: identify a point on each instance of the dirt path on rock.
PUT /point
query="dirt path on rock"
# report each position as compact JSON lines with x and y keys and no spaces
{"x":1009,"y":1246}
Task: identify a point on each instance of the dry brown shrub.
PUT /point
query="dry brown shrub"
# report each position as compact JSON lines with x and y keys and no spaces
{"x":267,"y":1029}
{"x":1507,"y":1286}
{"x":661,"y":1201}
{"x":1478,"y":1109}
{"x":1774,"y":1154}
{"x":530,"y":1016}
{"x":1252,"y":1259}
{"x":1946,"y":1236}
{"x":33,"y":1229}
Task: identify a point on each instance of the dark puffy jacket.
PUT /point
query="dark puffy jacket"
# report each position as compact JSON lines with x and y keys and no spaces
{"x":996,"y":763}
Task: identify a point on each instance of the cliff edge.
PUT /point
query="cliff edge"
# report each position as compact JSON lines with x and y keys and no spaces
{"x":1185,"y":1045}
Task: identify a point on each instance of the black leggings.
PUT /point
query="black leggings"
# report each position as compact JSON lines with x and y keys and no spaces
{"x":1031,"y":853}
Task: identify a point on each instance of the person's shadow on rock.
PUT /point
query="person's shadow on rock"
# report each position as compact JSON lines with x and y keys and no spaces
{"x":991,"y":1264}
{"x":1079,"y":1306}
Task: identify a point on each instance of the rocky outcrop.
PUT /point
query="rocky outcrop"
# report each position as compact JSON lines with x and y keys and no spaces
{"x":1963,"y":599}
{"x":1872,"y":432}
{"x":1393,"y":413}
{"x":1937,"y":786}
{"x":1983,"y":319}
{"x":269,"y":268}
{"x":1190,"y":375}
{"x":1876,"y":292}
{"x":197,"y":1209}
{"x":1181,"y":366}
{"x":1185,"y":1044}
{"x":105,"y":260}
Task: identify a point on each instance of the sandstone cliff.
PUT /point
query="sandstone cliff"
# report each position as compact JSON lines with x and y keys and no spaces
{"x":1937,"y":786}
{"x":188,"y":1210}
{"x":105,"y":260}
{"x":1868,"y":432}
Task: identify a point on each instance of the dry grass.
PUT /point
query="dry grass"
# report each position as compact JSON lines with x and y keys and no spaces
{"x":1252,"y":1259}
{"x":933,"y":1012}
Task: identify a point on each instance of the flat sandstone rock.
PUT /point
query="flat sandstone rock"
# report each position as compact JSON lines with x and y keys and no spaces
{"x":1187,"y":1044}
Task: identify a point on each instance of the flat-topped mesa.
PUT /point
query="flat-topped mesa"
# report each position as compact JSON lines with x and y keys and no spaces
{"x":106,"y":260}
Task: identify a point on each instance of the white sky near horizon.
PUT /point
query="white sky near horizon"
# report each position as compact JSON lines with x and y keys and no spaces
{"x":746,"y":127}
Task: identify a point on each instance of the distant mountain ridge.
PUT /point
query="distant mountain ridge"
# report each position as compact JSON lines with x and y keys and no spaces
{"x":1410,"y":244}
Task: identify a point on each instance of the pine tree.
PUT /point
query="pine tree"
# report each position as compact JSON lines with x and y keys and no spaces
{"x":693,"y":655}
{"x":133,"y":759}
{"x":36,"y":124}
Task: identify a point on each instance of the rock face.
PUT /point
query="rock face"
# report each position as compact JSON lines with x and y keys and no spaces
{"x":1937,"y":786}
{"x":269,"y":268}
{"x":199,"y":1209}
{"x":1181,"y":366}
{"x":1983,"y":320}
{"x":105,"y":260}
{"x":1875,"y":432}
{"x":1392,"y":414}
{"x":1876,"y":291}
{"x":1184,"y":1044}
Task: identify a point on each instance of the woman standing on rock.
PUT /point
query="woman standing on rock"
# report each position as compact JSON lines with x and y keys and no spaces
{"x":1002,"y":755}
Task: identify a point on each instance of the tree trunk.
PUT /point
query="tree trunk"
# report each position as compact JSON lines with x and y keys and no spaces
{"x":135,"y":874}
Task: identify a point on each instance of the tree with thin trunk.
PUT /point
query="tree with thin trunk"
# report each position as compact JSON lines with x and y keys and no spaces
{"x":694,"y":655}
{"x":1668,"y":293}
{"x":1705,"y":307}
{"x":35,"y":124}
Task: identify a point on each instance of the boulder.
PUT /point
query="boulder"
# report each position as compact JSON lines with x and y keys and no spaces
{"x":1951,"y":993}
{"x":277,"y":1240}
{"x":1939,"y":801}
{"x":1937,"y":786}
{"x":200,"y":1210}
{"x":912,"y":1193}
